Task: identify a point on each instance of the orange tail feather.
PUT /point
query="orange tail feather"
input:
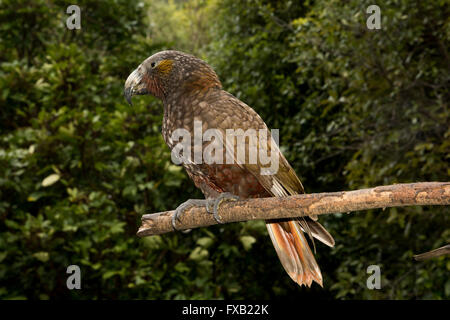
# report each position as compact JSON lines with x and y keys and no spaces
{"x":294,"y":252}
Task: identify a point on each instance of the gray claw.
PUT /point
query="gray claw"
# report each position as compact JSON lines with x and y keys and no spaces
{"x":211,"y":205}
{"x":223,"y":197}
{"x":182,"y":208}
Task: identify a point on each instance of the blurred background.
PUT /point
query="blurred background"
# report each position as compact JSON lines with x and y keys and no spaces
{"x":355,"y":107}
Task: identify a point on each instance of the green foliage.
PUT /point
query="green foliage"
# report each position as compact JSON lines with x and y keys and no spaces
{"x":184,"y":25}
{"x":355,"y":108}
{"x":78,"y":166}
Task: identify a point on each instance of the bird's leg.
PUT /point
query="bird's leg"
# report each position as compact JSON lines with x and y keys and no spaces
{"x":186,"y":205}
{"x":223,"y":197}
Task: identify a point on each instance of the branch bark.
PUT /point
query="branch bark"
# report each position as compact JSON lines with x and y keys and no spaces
{"x":433,"y":253}
{"x":398,"y":195}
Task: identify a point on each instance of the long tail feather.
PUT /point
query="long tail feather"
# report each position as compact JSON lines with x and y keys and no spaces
{"x":294,"y":252}
{"x":316,"y":230}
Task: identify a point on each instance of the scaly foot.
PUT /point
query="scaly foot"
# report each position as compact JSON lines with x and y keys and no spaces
{"x":186,"y":205}
{"x":223,"y":197}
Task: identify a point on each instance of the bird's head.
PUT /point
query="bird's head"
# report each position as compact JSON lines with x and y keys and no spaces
{"x":168,"y":73}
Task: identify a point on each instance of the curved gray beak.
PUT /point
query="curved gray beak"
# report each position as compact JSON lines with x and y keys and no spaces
{"x":134,"y":85}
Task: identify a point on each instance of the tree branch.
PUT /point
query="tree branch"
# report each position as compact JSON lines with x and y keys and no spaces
{"x":398,"y":195}
{"x":433,"y":253}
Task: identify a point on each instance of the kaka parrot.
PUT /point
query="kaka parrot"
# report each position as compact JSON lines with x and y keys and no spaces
{"x":192,"y":92}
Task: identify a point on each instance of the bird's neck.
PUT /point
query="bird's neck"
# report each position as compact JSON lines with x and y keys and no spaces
{"x":201,"y":81}
{"x":195,"y":86}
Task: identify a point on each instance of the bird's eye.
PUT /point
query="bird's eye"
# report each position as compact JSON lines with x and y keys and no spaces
{"x":153,"y":64}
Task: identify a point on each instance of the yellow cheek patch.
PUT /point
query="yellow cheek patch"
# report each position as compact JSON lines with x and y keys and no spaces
{"x":165,"y":66}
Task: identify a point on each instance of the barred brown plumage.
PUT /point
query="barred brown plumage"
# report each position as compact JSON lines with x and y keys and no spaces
{"x":191,"y":91}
